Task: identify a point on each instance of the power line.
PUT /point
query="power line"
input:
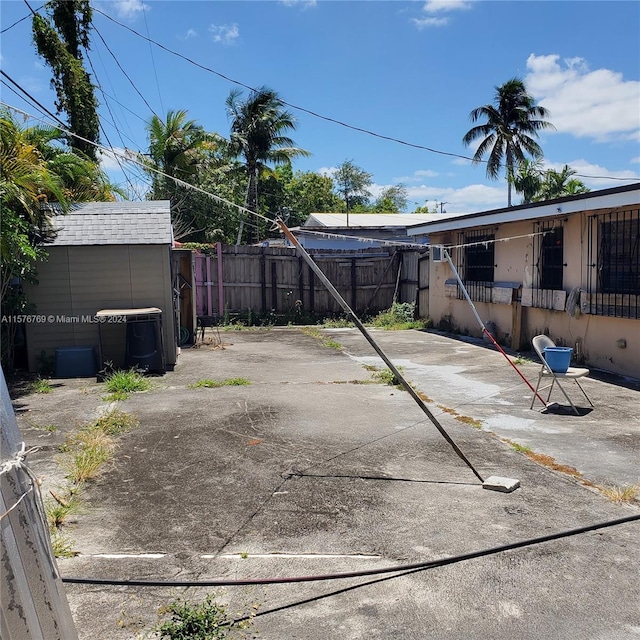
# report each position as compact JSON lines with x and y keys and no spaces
{"x":314,"y":113}
{"x":21,"y":20}
{"x":12,"y":81}
{"x":284,"y":102}
{"x":149,"y":167}
{"x":153,"y":61}
{"x":123,"y":71}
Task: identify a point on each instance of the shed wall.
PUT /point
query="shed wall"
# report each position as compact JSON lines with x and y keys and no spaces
{"x":78,"y":281}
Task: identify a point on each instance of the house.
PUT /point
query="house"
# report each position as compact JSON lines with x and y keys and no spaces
{"x":568,"y":268}
{"x":322,"y":230}
{"x":107,"y":255}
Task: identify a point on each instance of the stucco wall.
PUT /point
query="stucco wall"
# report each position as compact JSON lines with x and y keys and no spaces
{"x":608,"y":343}
{"x":81,"y":280}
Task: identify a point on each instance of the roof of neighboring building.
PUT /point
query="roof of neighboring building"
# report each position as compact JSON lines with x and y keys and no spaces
{"x":118,"y":223}
{"x":627,"y":195}
{"x":371,"y":220}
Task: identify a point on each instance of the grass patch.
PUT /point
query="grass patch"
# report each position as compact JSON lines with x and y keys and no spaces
{"x":91,"y":451}
{"x":94,"y":445}
{"x":448,"y":410}
{"x":58,"y":509}
{"x":40,"y":385}
{"x":621,"y":494}
{"x":337,"y":323}
{"x":49,"y":428}
{"x":207,"y":383}
{"x":386,"y":376}
{"x":424,"y":397}
{"x":62,"y":546}
{"x":318,"y":335}
{"x":476,"y":424}
{"x":399,"y":317}
{"x":116,"y":396}
{"x":522,"y":360}
{"x":206,"y":620}
{"x":115,"y":422}
{"x":520,"y":448}
{"x":125,"y":382}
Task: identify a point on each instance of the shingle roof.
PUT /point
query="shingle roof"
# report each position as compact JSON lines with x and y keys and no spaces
{"x":100,"y":223}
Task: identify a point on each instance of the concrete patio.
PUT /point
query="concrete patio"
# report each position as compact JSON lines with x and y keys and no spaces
{"x":309,"y":471}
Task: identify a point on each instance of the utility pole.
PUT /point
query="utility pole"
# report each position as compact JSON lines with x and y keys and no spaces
{"x":34,"y":604}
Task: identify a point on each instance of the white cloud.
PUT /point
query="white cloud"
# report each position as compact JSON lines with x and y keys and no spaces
{"x":418,"y":175}
{"x":469,"y":199}
{"x":635,"y":160}
{"x":327,"y":171}
{"x":191,"y":33}
{"x":432,"y":7}
{"x":588,"y":173}
{"x":108,"y":160}
{"x":303,"y":4}
{"x":596,"y":104}
{"x":422,"y":23}
{"x":225,"y":33}
{"x":440,"y":6}
{"x":130,"y":8}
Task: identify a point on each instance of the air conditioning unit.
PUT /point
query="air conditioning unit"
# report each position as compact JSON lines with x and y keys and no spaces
{"x":438,"y":253}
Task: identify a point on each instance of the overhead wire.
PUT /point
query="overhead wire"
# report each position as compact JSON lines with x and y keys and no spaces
{"x":150,"y":167}
{"x":153,"y":61}
{"x":314,"y":113}
{"x":121,"y":69}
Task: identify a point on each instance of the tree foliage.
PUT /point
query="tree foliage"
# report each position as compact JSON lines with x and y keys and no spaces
{"x":259,"y":127}
{"x":535,"y":184}
{"x":391,"y":200}
{"x":352,"y":183}
{"x":510,"y":130}
{"x":36,"y":169}
{"x":60,"y":38}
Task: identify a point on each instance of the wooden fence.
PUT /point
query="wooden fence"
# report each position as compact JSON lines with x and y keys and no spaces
{"x":242,"y":279}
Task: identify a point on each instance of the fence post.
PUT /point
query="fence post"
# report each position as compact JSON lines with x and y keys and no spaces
{"x":274,"y":285}
{"x":263,"y":280}
{"x":34,"y":604}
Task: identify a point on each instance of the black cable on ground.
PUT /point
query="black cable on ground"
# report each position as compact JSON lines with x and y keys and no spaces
{"x":417,"y":566}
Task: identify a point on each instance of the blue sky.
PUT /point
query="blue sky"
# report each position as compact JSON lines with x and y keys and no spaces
{"x":407,"y":70}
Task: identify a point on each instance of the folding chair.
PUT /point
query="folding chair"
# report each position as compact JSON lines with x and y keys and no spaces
{"x":572,"y":373}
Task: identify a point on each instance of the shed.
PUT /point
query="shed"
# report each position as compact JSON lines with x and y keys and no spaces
{"x":106,"y":255}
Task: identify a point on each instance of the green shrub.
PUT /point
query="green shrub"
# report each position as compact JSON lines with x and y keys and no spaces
{"x":206,"y":620}
{"x":399,"y":316}
{"x":124,"y":382}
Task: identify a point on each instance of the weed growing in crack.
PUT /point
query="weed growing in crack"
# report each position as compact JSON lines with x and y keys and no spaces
{"x":206,"y":620}
{"x":207,"y":383}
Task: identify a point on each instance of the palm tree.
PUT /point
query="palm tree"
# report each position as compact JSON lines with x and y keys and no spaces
{"x":175,"y":146}
{"x":560,"y":183}
{"x":258,"y":134}
{"x":512,"y":123}
{"x":528,"y":179}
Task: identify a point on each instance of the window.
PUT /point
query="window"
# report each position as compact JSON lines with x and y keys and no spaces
{"x":614,"y":264}
{"x":476,"y":263}
{"x":479,"y":257}
{"x":548,"y":251}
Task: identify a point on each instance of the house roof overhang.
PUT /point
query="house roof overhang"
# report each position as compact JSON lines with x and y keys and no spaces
{"x":629,"y":195}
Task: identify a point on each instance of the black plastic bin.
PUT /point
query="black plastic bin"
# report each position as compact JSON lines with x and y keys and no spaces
{"x":145,"y":350}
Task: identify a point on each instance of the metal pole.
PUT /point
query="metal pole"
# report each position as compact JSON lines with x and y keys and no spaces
{"x":333,"y":291}
{"x":484,"y":329}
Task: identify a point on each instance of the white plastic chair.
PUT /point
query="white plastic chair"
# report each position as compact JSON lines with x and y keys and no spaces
{"x":572,"y":373}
